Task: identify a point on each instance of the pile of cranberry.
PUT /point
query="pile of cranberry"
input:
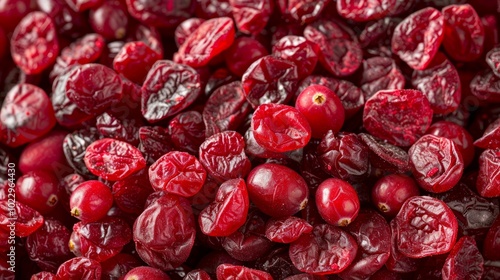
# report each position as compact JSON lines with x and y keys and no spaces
{"x":249,"y":139}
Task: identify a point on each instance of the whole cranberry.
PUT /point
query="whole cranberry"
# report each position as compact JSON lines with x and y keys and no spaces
{"x":39,"y":190}
{"x":391,"y":191}
{"x":276,"y":190}
{"x":337,"y":202}
{"x":90,"y":201}
{"x":322,"y":108}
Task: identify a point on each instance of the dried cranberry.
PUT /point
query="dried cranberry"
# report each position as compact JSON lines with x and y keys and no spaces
{"x":326,"y":250}
{"x":168,"y":89}
{"x":223,"y":156}
{"x":26,"y":114}
{"x":120,"y":128}
{"x":130,"y":194}
{"x":458,"y":135}
{"x":183,"y":30}
{"x":493,"y":60}
{"x":145,"y":273}
{"x":425,"y":226}
{"x":398,"y":262}
{"x":13,"y":11}
{"x":302,"y":11}
{"x":74,"y":146}
{"x":487,"y":180}
{"x":277,"y":190}
{"x":300,"y":51}
{"x":100,"y":240}
{"x":337,"y":202}
{"x":270,"y":80}
{"x":225,"y":109}
{"x":280,"y":128}
{"x":211,"y":38}
{"x":463,"y":31}
{"x":134,"y":61}
{"x":113,"y":159}
{"x":178,"y":173}
{"x":119,"y":265}
{"x":213,"y":8}
{"x":352,"y":97}
{"x":249,"y":242}
{"x":486,"y":86}
{"x":85,"y":80}
{"x":417,"y":38}
{"x":43,"y":275}
{"x":159,"y":242}
{"x":365,"y":10}
{"x":398,"y":116}
{"x":386,"y":157}
{"x":464,"y":261}
{"x":343,"y":155}
{"x":48,"y":246}
{"x":68,"y":23}
{"x":251,"y":16}
{"x":373,"y":235}
{"x":187,"y":131}
{"x":45,"y":153}
{"x":243,"y":52}
{"x":154,"y":142}
{"x":34,"y":45}
{"x":391,"y":191}
{"x":163,"y":13}
{"x":110,"y":19}
{"x":90,"y":201}
{"x":286,"y":230}
{"x":80,"y":268}
{"x":83,"y":5}
{"x":380,"y":73}
{"x":229,"y":210}
{"x":436,"y":163}
{"x":229,"y":271}
{"x":491,"y":243}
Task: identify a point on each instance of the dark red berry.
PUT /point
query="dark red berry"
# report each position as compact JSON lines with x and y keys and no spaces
{"x":185,"y":29}
{"x":380,"y":73}
{"x":145,"y":273}
{"x":391,"y":191}
{"x":459,"y":135}
{"x":300,"y":51}
{"x":163,"y":13}
{"x":90,"y":201}
{"x":489,"y":173}
{"x":364,"y":10}
{"x":134,"y":61}
{"x":337,"y":202}
{"x":110,"y":19}
{"x":80,"y":268}
{"x":251,"y":16}
{"x":286,"y":230}
{"x":38,"y":190}
{"x":277,"y":190}
{"x":243,"y":52}
{"x":464,"y":261}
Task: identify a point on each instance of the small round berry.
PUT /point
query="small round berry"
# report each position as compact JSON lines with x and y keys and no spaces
{"x":322,"y":108}
{"x":391,"y":191}
{"x":90,"y":201}
{"x":337,"y":202}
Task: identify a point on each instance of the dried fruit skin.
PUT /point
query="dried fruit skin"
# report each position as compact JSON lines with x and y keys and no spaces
{"x":380,"y":73}
{"x":270,"y":80}
{"x":436,"y":163}
{"x":286,"y":230}
{"x":34,"y":45}
{"x":93,"y":87}
{"x":299,"y":50}
{"x":464,"y":261}
{"x":178,"y":173}
{"x":163,"y":13}
{"x":464,"y":32}
{"x":223,"y":156}
{"x":398,"y":116}
{"x":277,"y":190}
{"x":491,"y":137}
{"x":229,"y":210}
{"x":113,"y":159}
{"x":425,"y":226}
{"x":26,"y":114}
{"x":164,"y":233}
{"x":80,"y":268}
{"x":168,"y":89}
{"x":251,"y":16}
{"x":440,"y":83}
{"x":364,"y":10}
{"x":134,"y":60}
{"x":280,"y":128}
{"x":326,"y":250}
{"x":417,"y":38}
{"x":228,"y":271}
{"x":486,"y":86}
{"x":488,"y":179}
{"x":210,"y":39}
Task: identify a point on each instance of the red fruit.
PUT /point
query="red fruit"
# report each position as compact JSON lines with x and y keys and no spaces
{"x":326,"y":250}
{"x":112,"y":159}
{"x":276,"y":190}
{"x":26,"y":114}
{"x":251,"y":16}
{"x":459,"y":135}
{"x":417,"y":38}
{"x":398,"y":116}
{"x":185,"y":29}
{"x":464,"y":261}
{"x":287,"y":230}
{"x":243,"y":52}
{"x":322,"y":109}
{"x":211,"y":38}
{"x":425,"y":226}
{"x":337,"y":202}
{"x":163,"y":13}
{"x":280,"y":128}
{"x":229,"y":271}
{"x":178,"y":173}
{"x":110,"y":19}
{"x":300,"y":51}
{"x":46,"y":154}
{"x":34,"y":45}
{"x":436,"y":163}
{"x":145,"y":273}
{"x":380,"y":73}
{"x":391,"y":191}
{"x":488,"y":179}
{"x":80,"y":268}
{"x":26,"y":219}
{"x":168,"y":89}
{"x":38,"y":190}
{"x":90,"y":201}
{"x":365,"y":10}
{"x":134,"y":61}
{"x":228,"y":211}
{"x":464,"y":32}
